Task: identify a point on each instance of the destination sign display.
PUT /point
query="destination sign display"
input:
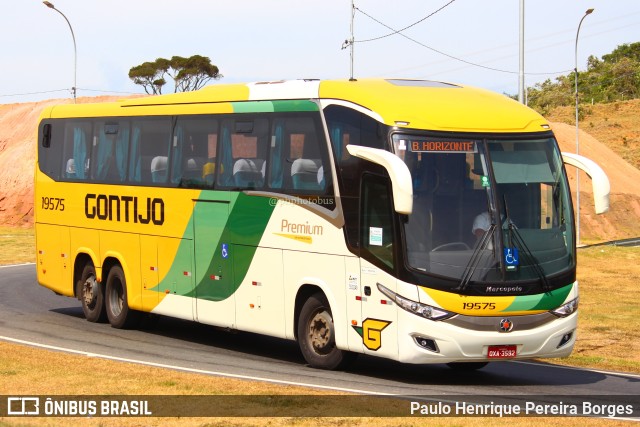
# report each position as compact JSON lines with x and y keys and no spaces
{"x":422,"y":146}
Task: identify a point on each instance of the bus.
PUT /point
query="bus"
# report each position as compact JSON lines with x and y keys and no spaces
{"x":420,"y":221}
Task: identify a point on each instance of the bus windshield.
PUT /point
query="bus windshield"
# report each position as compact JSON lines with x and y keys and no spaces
{"x":486,"y":210}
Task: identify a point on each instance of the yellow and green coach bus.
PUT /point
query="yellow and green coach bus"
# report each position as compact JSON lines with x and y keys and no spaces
{"x":420,"y":221}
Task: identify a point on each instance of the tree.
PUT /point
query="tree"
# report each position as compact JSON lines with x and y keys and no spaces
{"x":188,"y":74}
{"x":192,"y":73}
{"x":150,"y":75}
{"x":614,"y":77}
{"x":624,"y":51}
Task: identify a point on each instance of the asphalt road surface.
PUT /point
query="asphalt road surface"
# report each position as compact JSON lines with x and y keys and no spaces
{"x":31,"y":313}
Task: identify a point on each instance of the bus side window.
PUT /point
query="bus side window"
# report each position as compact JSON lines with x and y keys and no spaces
{"x":193,"y":154}
{"x":50,"y":149}
{"x":347,"y":126}
{"x":77,"y":150}
{"x":377,"y":220}
{"x":298,"y":155}
{"x":110,"y":151}
{"x":149,"y":162}
{"x":209,"y":168}
{"x":243,"y":153}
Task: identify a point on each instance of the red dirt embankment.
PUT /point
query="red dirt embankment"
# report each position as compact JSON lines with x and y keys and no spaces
{"x":18,"y":124}
{"x":623,"y":219}
{"x":18,"y":128}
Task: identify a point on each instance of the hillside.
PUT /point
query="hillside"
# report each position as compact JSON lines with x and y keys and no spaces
{"x":610,"y":133}
{"x":18,"y":126}
{"x":615,"y":125}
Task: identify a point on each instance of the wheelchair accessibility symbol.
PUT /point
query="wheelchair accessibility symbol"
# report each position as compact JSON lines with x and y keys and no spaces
{"x":225,"y":251}
{"x":511,"y":258}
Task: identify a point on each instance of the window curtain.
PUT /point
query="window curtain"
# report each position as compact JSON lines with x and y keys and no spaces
{"x":134,"y":159}
{"x":176,"y":155}
{"x":79,"y":151}
{"x":336,"y":140}
{"x":276,"y":156}
{"x":122,"y":149}
{"x":104,"y":155}
{"x":226,"y":171}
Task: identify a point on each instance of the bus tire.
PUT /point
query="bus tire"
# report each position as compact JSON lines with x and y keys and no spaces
{"x":316,"y":335}
{"x":117,"y":306}
{"x":467,"y":366}
{"x":91,"y":294}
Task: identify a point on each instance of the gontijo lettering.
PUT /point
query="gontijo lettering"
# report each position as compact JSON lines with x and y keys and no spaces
{"x":124,"y":208}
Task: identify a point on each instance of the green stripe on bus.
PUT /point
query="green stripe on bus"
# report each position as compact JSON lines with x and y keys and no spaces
{"x":248,"y":218}
{"x":547,"y":301}
{"x":253,"y":107}
{"x":295,"y":105}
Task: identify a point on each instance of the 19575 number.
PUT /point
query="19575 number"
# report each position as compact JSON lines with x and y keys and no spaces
{"x":478,"y":306}
{"x":53,"y":204}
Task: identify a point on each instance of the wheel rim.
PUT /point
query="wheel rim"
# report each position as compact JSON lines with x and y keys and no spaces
{"x":321,"y":332}
{"x":90,"y":292}
{"x":116,"y":298}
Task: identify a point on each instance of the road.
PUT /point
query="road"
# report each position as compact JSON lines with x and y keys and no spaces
{"x":29,"y":312}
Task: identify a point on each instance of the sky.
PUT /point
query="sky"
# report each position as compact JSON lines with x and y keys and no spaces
{"x":261,"y":40}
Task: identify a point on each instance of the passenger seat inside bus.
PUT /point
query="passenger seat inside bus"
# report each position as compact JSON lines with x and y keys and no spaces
{"x":249,"y":173}
{"x":70,"y":172}
{"x":159,"y":169}
{"x":305,"y":174}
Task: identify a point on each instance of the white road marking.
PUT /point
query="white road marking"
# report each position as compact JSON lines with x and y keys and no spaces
{"x":17,"y":265}
{"x":191,"y":370}
{"x":268,"y":380}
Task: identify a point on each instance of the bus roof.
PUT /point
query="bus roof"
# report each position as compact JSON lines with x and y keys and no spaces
{"x":415,"y":104}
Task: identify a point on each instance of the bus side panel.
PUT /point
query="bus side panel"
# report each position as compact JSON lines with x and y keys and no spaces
{"x":124,"y":247}
{"x":149,"y":271}
{"x":214,"y":259}
{"x":260,"y":297}
{"x":85,"y":241}
{"x":379,"y":315}
{"x":176,"y":278}
{"x":55,"y":266}
{"x":354,"y":306}
{"x":324,"y":271}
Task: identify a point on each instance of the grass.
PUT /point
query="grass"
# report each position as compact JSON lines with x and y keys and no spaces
{"x":608,"y":339}
{"x":608,"y":324}
{"x":18,"y":245}
{"x":29,"y":371}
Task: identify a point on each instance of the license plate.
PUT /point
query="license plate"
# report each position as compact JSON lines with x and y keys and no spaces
{"x":501,"y":351}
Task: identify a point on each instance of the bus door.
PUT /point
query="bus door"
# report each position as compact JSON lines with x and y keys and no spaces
{"x":215,"y":302}
{"x":378,"y":327}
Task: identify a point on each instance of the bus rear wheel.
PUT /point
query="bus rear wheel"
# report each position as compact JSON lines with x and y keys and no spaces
{"x":117,"y":306}
{"x":316,"y":335}
{"x":91,"y":293}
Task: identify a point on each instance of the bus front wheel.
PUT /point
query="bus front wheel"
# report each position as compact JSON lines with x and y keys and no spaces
{"x":117,"y":307}
{"x":316,"y":335}
{"x":91,"y":293}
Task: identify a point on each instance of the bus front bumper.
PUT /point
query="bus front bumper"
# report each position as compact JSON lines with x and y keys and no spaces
{"x":470,"y":339}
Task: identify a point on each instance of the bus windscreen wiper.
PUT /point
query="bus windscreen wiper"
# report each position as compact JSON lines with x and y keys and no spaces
{"x":475,"y":258}
{"x":514,"y":235}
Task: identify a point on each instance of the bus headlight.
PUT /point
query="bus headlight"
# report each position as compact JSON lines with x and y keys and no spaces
{"x":566,"y":309}
{"x":419,"y":309}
